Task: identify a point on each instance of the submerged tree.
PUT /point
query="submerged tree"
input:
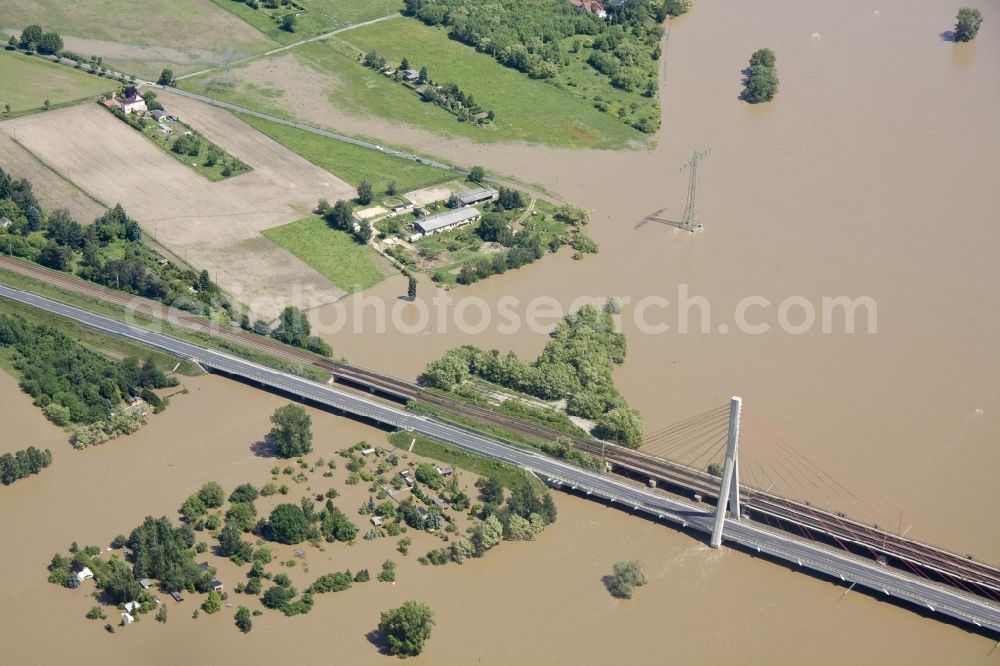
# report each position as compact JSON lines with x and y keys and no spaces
{"x":967,"y":24}
{"x":292,"y":431}
{"x":627,"y":576}
{"x":407,"y":628}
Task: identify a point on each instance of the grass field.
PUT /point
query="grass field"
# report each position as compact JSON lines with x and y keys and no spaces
{"x":526,"y":109}
{"x":28,"y":81}
{"x":333,"y":253}
{"x":140,"y":37}
{"x":349,"y":162}
{"x":319,"y":16}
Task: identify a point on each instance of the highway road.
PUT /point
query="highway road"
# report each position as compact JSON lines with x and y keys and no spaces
{"x":805,"y":555}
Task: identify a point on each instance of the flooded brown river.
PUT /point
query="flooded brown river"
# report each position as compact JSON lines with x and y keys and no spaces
{"x":873,"y":173}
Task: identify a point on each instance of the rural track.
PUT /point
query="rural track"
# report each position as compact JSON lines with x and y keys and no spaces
{"x":293,"y":45}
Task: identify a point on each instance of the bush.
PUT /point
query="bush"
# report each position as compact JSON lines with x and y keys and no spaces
{"x":967,"y":24}
{"x":212,"y":495}
{"x":627,"y":576}
{"x":212,"y":603}
{"x":242,"y":620}
{"x":277,"y":596}
{"x":287,"y":524}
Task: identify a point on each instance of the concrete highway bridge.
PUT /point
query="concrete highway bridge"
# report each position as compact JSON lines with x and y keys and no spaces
{"x":728,"y":523}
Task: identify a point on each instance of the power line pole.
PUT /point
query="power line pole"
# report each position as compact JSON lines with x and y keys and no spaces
{"x":690,"y":220}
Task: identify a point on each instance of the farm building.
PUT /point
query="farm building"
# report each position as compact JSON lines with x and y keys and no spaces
{"x":447,"y":220}
{"x":134,"y":103}
{"x":478,"y":195}
{"x":410,"y":75}
{"x":158,"y":115}
{"x":592,"y":6}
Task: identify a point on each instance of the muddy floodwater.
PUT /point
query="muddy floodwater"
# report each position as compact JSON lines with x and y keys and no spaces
{"x":531,"y":603}
{"x":873,"y":173}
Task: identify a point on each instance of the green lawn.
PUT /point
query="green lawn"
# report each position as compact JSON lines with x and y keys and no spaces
{"x":316,"y":18}
{"x":526,"y":109}
{"x":349,"y":162}
{"x":347,"y":263}
{"x":195,"y":27}
{"x":29,"y":80}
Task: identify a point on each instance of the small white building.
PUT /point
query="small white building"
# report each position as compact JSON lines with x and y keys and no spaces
{"x":132,"y":606}
{"x":217,"y":585}
{"x":133,"y":103}
{"x":127,"y":619}
{"x":377,"y":521}
{"x":368,"y":451}
{"x":83,"y":574}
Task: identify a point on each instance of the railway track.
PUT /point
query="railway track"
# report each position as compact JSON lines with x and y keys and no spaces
{"x":961,"y":572}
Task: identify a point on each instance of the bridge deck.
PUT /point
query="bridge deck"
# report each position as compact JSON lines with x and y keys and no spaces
{"x":806,"y":555}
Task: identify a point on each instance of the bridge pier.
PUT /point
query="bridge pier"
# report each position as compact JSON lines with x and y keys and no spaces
{"x":729,"y":489}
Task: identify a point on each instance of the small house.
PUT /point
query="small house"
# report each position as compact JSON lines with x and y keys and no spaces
{"x":177,"y":596}
{"x":422,"y":510}
{"x":389,"y":71}
{"x":407,"y":476}
{"x":368,"y":451}
{"x":217,"y":585}
{"x":444,"y":470}
{"x":132,"y":606}
{"x":411,"y":75}
{"x":592,"y":6}
{"x":146,"y":583}
{"x":83,"y":574}
{"x":134,"y":103}
{"x":127,"y":619}
{"x":204,"y":565}
{"x":158,"y":115}
{"x":164,"y":130}
{"x":441,"y":502}
{"x":377,"y":521}
{"x":110,"y":103}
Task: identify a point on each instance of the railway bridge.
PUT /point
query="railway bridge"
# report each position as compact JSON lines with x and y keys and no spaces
{"x":939,"y":583}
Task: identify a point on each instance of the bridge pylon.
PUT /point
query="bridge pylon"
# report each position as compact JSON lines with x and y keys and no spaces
{"x":729,"y":488}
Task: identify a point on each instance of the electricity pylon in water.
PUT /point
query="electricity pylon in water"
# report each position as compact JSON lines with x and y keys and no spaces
{"x":690,"y":219}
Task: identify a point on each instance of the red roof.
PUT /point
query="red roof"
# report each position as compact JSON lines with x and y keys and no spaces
{"x":589,"y":5}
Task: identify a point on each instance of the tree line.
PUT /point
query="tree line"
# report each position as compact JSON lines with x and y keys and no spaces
{"x":34,"y":39}
{"x":71,"y":383}
{"x":527,"y":37}
{"x":22,"y":464}
{"x":109,"y":252}
{"x":576,"y":365}
{"x":448,"y":96}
